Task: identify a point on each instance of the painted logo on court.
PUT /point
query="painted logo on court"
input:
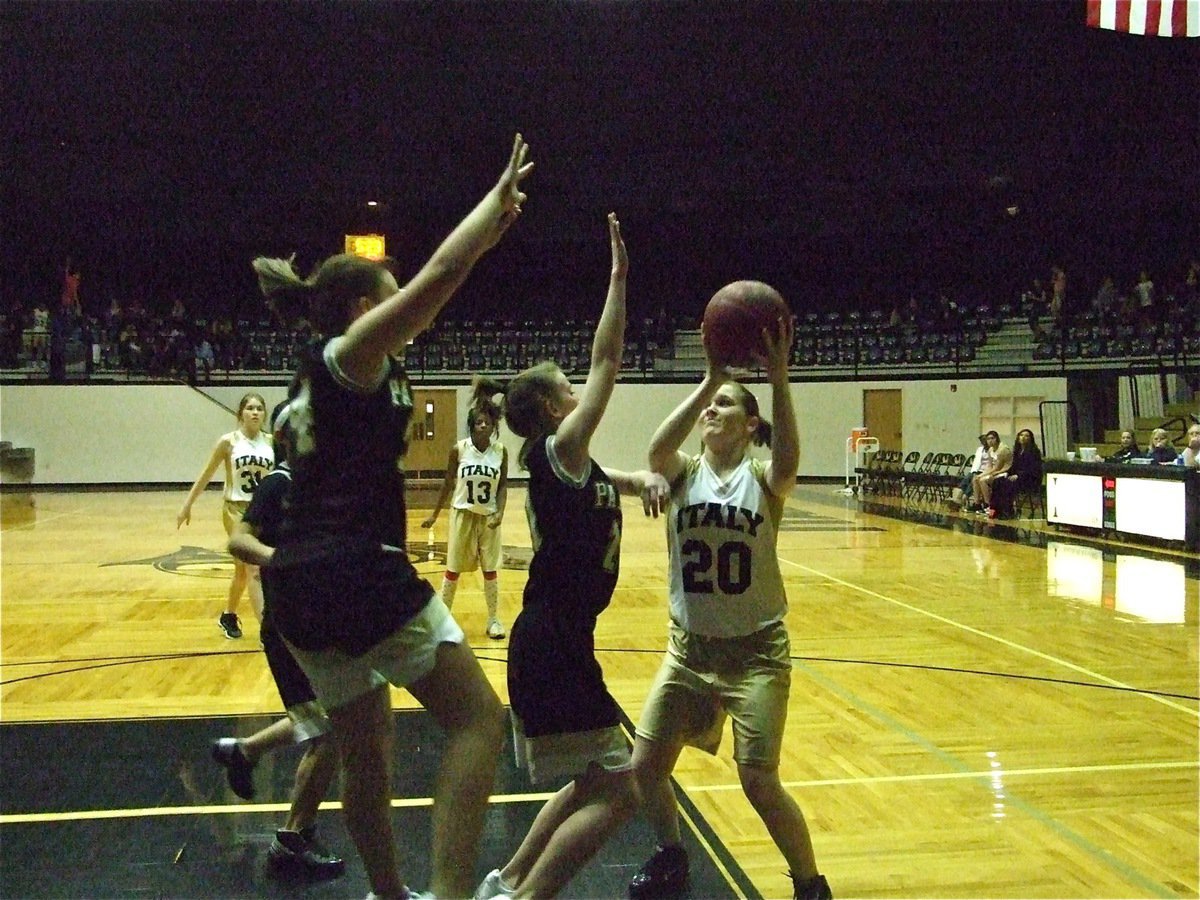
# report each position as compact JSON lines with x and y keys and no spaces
{"x":429,"y":557}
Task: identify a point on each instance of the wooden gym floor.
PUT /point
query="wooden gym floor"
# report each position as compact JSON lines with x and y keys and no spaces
{"x":978,"y":710}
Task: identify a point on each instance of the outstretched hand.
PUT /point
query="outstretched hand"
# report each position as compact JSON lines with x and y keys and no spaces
{"x":508,"y":188}
{"x":656,"y":494}
{"x":620,"y":259}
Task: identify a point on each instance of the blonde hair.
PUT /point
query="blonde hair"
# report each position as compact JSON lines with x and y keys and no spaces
{"x":525,"y":404}
{"x":324,"y":297}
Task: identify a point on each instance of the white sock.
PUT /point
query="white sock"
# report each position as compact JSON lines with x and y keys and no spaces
{"x":449,"y":587}
{"x":491,"y":596}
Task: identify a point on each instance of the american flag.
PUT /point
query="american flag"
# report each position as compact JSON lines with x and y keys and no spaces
{"x":1164,"y":18}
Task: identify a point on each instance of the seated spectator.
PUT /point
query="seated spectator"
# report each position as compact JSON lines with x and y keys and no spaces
{"x":1024,"y":476}
{"x":1161,"y":450}
{"x":1144,"y":291}
{"x":112,"y":315}
{"x":1058,"y":293}
{"x":204,"y":359}
{"x":1128,"y":450}
{"x":961,"y":495}
{"x":983,"y":483}
{"x":1105,"y":305}
{"x":1190,"y":456}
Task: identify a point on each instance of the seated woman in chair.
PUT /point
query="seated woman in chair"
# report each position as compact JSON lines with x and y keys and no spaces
{"x":1024,"y":477}
{"x":1162,"y":451}
{"x":1128,"y":450}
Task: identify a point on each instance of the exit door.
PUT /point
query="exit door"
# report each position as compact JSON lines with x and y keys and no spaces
{"x":432,"y":432}
{"x":883,"y":416}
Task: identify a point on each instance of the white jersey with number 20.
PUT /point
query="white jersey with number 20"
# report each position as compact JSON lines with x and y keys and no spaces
{"x":721,"y":534}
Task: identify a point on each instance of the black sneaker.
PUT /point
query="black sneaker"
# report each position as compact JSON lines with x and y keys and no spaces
{"x":815,"y":888}
{"x":238,"y":770}
{"x":665,"y":874}
{"x":301,"y":850}
{"x":231,"y":625}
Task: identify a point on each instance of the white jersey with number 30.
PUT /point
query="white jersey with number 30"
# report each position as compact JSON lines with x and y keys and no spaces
{"x":725,"y":579}
{"x":478,"y":477}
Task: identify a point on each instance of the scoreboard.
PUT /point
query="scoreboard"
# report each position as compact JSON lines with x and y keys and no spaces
{"x":372,"y":246}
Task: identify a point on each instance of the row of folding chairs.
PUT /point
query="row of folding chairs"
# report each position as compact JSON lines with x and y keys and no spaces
{"x":931,"y":477}
{"x":935,"y":477}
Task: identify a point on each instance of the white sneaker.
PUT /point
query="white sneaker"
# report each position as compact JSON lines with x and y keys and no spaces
{"x":493,"y":886}
{"x":495,"y":630}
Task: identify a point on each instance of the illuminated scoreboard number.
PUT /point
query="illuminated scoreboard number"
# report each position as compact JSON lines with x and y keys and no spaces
{"x":372,"y":246}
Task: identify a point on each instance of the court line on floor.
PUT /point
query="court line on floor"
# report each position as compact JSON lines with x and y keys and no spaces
{"x":1013,"y":645}
{"x":1049,"y":821}
{"x":990,"y":774}
{"x":542,"y":797}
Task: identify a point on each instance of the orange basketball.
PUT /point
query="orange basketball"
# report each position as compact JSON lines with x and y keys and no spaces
{"x":735,"y":318}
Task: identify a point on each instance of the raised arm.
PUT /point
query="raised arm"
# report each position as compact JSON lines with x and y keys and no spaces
{"x":664,"y":454}
{"x":448,"y":481}
{"x":389,"y":326}
{"x":785,"y":437}
{"x":219,"y":455}
{"x":608,"y":346}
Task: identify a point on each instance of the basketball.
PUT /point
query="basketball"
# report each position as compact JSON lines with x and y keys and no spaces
{"x":735,"y":318}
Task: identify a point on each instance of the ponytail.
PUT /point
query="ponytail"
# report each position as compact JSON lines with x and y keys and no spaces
{"x":324,"y":297}
{"x":483,"y":400}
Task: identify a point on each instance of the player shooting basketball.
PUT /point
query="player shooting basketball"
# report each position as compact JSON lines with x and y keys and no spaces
{"x":729,"y":654}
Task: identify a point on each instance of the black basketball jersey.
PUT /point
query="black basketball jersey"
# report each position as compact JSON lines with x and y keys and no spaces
{"x":347,"y":480}
{"x":576,"y":530}
{"x":340,"y":573}
{"x":265,"y":512}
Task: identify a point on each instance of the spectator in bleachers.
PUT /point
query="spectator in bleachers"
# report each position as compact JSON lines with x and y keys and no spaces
{"x":112,"y":315}
{"x":982,"y":484}
{"x":204,"y":358}
{"x":1058,"y":293}
{"x":1161,"y":449}
{"x":39,"y":336}
{"x":1191,"y":283}
{"x":1104,"y":305}
{"x":1144,"y":292}
{"x":1128,"y":450}
{"x":129,"y":345}
{"x":70,"y":291}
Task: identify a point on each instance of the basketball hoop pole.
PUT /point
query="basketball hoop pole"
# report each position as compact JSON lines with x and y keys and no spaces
{"x":851,"y":487}
{"x":858,"y":445}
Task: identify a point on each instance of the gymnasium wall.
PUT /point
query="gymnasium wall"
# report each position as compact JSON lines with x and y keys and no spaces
{"x":163,"y":434}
